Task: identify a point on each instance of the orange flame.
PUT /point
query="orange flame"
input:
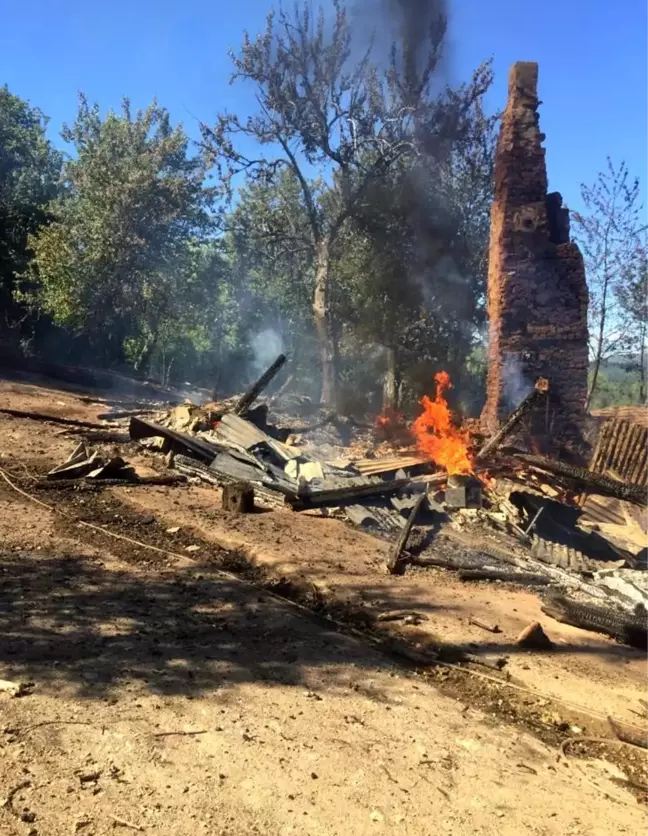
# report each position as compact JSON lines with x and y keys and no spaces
{"x":435,"y":434}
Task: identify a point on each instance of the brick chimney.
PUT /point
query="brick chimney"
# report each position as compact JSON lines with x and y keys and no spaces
{"x":537,"y":293}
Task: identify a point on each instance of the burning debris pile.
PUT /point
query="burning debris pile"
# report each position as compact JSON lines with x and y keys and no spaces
{"x":445,"y":497}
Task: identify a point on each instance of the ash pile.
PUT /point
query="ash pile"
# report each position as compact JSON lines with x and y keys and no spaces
{"x":449,"y":500}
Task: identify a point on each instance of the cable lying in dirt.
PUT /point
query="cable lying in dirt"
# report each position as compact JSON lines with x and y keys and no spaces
{"x":385,"y":646}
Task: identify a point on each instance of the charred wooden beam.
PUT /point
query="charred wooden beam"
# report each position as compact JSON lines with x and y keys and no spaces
{"x":179,"y":442}
{"x":522,"y":578}
{"x":339,"y":496}
{"x":394,"y":563}
{"x":593,"y":482}
{"x":99,"y":484}
{"x":624,"y":627}
{"x":533,"y":399}
{"x":198,"y":470}
{"x":255,"y":390}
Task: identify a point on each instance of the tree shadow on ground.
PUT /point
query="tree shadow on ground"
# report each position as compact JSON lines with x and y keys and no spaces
{"x":75,"y":621}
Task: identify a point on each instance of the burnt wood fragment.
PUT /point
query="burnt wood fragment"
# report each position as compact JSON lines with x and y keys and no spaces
{"x":238,"y":497}
{"x":538,"y":395}
{"x":522,"y":578}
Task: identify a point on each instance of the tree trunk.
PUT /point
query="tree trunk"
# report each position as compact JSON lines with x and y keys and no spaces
{"x":147,"y":352}
{"x":324,"y":324}
{"x":391,"y":383}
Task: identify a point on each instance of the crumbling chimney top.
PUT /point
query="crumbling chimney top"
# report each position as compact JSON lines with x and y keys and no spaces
{"x":523,"y":81}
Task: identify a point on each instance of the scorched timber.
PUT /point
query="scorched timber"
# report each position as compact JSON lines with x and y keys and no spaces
{"x":180,"y":442}
{"x":593,"y":482}
{"x":395,"y":562}
{"x":536,"y":397}
{"x":521,"y":578}
{"x":338,"y":496}
{"x":625,"y":628}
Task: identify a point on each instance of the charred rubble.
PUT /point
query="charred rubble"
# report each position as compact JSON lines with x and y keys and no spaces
{"x":516,"y":518}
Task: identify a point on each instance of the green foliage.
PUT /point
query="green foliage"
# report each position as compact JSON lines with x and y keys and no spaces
{"x":121,"y":261}
{"x":618,"y":385}
{"x":29,"y":174}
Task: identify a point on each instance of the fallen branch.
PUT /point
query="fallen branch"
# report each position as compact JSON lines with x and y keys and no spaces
{"x":8,"y":801}
{"x":628,"y":734}
{"x":538,"y":395}
{"x":491,"y":628}
{"x":394,"y":562}
{"x":401,"y":615}
{"x":52,"y":419}
{"x":255,"y":390}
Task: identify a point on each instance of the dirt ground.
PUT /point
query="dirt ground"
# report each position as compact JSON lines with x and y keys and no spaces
{"x":172,"y":698}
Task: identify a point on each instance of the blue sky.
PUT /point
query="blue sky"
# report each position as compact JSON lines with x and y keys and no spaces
{"x":592,"y":57}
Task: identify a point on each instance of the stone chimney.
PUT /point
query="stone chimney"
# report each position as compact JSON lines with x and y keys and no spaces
{"x":537,"y":293}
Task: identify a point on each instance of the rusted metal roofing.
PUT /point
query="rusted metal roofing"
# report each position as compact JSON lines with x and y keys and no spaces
{"x":622,"y":450}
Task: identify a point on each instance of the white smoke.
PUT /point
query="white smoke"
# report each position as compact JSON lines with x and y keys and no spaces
{"x":516,"y":385}
{"x":267,"y":345}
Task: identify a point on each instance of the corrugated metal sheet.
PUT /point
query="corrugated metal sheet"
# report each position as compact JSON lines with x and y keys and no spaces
{"x":622,"y":451}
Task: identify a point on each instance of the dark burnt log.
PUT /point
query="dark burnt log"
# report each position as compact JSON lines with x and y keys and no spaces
{"x":596,"y":483}
{"x":538,"y":395}
{"x":340,"y":496}
{"x":394,"y":564}
{"x":522,"y":578}
{"x":255,"y":390}
{"x":624,"y":627}
{"x":98,"y":484}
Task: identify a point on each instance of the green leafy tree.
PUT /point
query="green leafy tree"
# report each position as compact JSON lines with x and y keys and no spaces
{"x":329,"y":118}
{"x":118,"y":262}
{"x":29,"y":175}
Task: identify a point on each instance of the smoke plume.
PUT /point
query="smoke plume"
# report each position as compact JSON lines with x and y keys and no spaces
{"x":516,"y":385}
{"x":266,"y":345}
